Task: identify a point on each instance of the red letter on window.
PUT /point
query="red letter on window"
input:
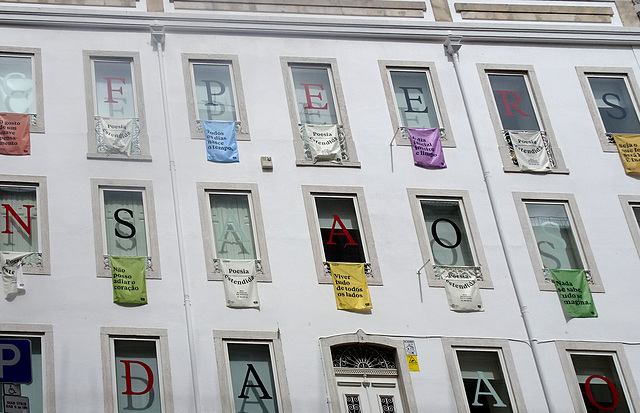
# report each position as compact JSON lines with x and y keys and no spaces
{"x":309,"y":96}
{"x":344,"y":232}
{"x":614,"y":392}
{"x":503,"y":93}
{"x":9,"y":210}
{"x":110,"y":90}
{"x":127,"y":373}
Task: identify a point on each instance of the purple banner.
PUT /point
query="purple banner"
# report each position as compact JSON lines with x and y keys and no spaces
{"x":427,"y":148}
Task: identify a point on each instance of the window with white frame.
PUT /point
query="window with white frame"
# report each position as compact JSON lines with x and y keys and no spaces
{"x":516,"y":106}
{"x":251,"y":372}
{"x":115,"y":114}
{"x":124,"y":224}
{"x":340,"y":230}
{"x":555,"y":237}
{"x":315,"y":98}
{"x":21,"y":85}
{"x":214,"y":88}
{"x":24,"y":220}
{"x":232,"y":226}
{"x":447,"y":234}
{"x":631,"y":209}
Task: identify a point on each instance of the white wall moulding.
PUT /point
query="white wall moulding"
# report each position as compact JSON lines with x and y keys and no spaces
{"x":108,"y":3}
{"x":577,"y":14}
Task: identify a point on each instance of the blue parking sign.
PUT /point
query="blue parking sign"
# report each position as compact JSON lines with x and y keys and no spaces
{"x":15,"y":361}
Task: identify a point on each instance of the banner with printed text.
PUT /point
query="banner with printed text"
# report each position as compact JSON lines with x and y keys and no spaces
{"x":574,"y":292}
{"x":220,"y":137}
{"x":530,"y":150}
{"x":629,"y":150}
{"x":128,"y":278}
{"x":240,"y":284}
{"x":11,"y":263}
{"x":426,"y":147}
{"x":117,"y":134}
{"x":461,"y":287}
{"x":15,"y":136}
{"x":350,"y":286}
{"x":323,"y":141}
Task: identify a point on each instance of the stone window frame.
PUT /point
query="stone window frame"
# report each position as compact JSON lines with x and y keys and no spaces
{"x":36,"y":122}
{"x":565,"y":347}
{"x":357,"y":194}
{"x":45,"y":332}
{"x":195,"y":128}
{"x":339,"y":101}
{"x":579,"y":232}
{"x":88,"y":57}
{"x":632,"y":88}
{"x":160,"y":336}
{"x":429,"y":68}
{"x":629,"y":202}
{"x":484,"y":70}
{"x":251,"y":190}
{"x":146,"y":188}
{"x":473,"y":233}
{"x":272,"y":338}
{"x":40,"y":183}
{"x":499,"y":346}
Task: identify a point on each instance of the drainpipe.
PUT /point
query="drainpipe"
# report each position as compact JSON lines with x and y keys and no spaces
{"x":452,"y":45}
{"x":157,"y":40}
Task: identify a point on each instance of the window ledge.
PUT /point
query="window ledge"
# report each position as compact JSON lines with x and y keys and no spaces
{"x":119,"y":157}
{"x":347,"y":164}
{"x":516,"y":169}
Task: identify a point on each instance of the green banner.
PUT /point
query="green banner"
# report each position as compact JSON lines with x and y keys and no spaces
{"x":574,"y":292}
{"x":129,"y":284}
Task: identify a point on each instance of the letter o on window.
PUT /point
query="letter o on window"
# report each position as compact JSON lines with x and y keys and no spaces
{"x":434,"y":233}
{"x":614,"y":392}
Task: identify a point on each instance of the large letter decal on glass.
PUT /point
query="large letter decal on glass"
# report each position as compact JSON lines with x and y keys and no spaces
{"x":344,"y":232}
{"x":436,"y":238}
{"x":508,"y":112}
{"x":116,"y":216}
{"x":492,"y":392}
{"x":210,"y":95}
{"x":612,"y":387}
{"x":613,"y":105}
{"x":309,"y":104}
{"x":246,"y":385}
{"x":418,"y":99}
{"x":26,"y":226}
{"x":127,"y":369}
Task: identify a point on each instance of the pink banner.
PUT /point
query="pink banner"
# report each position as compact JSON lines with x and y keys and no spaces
{"x":14,"y":134}
{"x":427,"y":148}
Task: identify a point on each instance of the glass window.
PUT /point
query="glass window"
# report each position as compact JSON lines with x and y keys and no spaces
{"x":114,"y":89}
{"x":514,"y":102}
{"x":615,"y":105}
{"x":600,"y":383}
{"x":32,"y":391}
{"x":232,"y":226}
{"x":18,"y":92}
{"x":214,"y":92}
{"x":447,"y":233}
{"x":125,"y":228}
{"x":339,"y":229}
{"x":485,"y":384}
{"x":314,"y":95}
{"x":414,"y":99}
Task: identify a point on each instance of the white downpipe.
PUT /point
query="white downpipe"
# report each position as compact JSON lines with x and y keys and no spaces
{"x":452,"y":45}
{"x":157,"y":40}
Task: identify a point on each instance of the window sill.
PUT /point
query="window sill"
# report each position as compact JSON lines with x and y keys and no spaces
{"x":516,"y":169}
{"x":119,"y":157}
{"x":347,"y":164}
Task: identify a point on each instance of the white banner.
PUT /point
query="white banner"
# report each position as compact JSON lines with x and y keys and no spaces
{"x":530,"y":150}
{"x":240,"y":284}
{"x":323,"y":141}
{"x":461,"y":286}
{"x":11,"y":263}
{"x":117,"y":134}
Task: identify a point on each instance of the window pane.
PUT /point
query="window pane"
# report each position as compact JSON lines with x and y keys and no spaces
{"x":214,"y":92}
{"x":21,"y":233}
{"x":137,"y":380}
{"x":34,"y":390}
{"x":414,"y":100}
{"x":232,"y":226}
{"x":636,"y":212}
{"x":252,"y":380}
{"x":314,"y":95}
{"x":614,"y":104}
{"x":114,"y":89}
{"x":484,"y":382}
{"x":17,"y":88}
{"x":124,"y":223}
{"x":346,"y":243}
{"x":447,"y":233}
{"x":554,"y":236}
{"x":514,"y":103}
{"x":603,"y":394}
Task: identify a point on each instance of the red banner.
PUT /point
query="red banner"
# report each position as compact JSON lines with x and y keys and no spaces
{"x":15,"y":134}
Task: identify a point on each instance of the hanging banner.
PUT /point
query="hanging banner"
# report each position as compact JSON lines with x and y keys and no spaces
{"x":350,"y":286}
{"x":427,"y":147}
{"x":461,"y":287}
{"x":530,"y":150}
{"x":574,"y":292}
{"x":117,"y":134}
{"x":129,"y":282}
{"x":12,"y":279}
{"x":629,"y":150}
{"x":240,"y":284}
{"x":15,"y":136}
{"x":220,"y":137}
{"x":323,"y":141}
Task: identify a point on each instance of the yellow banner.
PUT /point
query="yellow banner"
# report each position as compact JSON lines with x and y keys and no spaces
{"x":629,"y":150}
{"x":350,"y":285}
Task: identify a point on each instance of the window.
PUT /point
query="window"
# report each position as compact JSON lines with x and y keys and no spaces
{"x":214,"y":91}
{"x":24,"y":220}
{"x":555,"y":237}
{"x":232,"y":227}
{"x":599,"y":376}
{"x":113,"y":90}
{"x":251,"y":371}
{"x":136,"y":372}
{"x":315,"y":98}
{"x":447,"y":234}
{"x":483,"y":375}
{"x":515,"y":104}
{"x":631,"y":208}
{"x":124,"y":223}
{"x":612,"y":97}
{"x":41,"y":392}
{"x":415,"y":99}
{"x":21,"y":87}
{"x":340,"y":230}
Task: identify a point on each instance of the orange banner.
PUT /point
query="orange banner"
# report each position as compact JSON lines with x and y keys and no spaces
{"x":15,"y":134}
